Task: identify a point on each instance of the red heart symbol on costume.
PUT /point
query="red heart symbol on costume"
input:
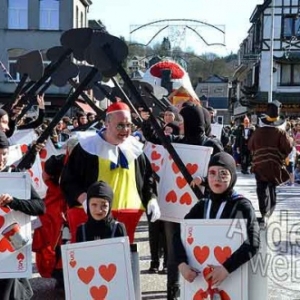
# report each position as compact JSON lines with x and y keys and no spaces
{"x":2,"y":221}
{"x":30,"y":172}
{"x":24,"y":148}
{"x":186,"y":199}
{"x":175,"y":168}
{"x":224,"y":295}
{"x":5,"y":245}
{"x":192,"y":168}
{"x":181,"y":182}
{"x":86,"y":275}
{"x":190,"y":240}
{"x":6,"y":209}
{"x":207,"y":271}
{"x":200,"y":295}
{"x":73,"y":263}
{"x":98,"y":293}
{"x":43,"y":153}
{"x":201,"y":253}
{"x":171,"y":197}
{"x":108,"y":272}
{"x":154,"y":167}
{"x":221,"y":254}
{"x":155,"y":155}
{"x":20,"y":256}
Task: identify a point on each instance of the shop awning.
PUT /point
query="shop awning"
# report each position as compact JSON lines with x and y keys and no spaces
{"x":85,"y":107}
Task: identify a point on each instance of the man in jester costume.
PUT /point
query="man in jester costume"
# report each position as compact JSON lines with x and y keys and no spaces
{"x":116,"y":157}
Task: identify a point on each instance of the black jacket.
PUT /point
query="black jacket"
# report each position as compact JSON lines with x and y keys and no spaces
{"x":82,"y":170}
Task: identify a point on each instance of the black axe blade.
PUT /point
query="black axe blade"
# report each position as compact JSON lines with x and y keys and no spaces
{"x":66,"y":71}
{"x":77,"y":40}
{"x":83,"y":71}
{"x":31,"y":64}
{"x":101,"y":93}
{"x":54,"y":53}
{"x":95,"y":55}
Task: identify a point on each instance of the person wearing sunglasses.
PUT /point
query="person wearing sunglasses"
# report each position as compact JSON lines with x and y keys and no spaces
{"x":116,"y":157}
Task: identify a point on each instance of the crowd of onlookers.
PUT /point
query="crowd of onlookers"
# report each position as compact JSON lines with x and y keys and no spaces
{"x":238,"y":139}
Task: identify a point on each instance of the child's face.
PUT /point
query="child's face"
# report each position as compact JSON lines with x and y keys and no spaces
{"x":99,"y":208}
{"x":219,"y":179}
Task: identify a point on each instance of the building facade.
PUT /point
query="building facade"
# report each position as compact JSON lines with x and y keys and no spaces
{"x":214,"y":92}
{"x":27,"y":25}
{"x":258,"y":67}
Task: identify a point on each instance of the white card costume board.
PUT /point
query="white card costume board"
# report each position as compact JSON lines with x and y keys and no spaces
{"x":216,"y":130}
{"x":212,"y":242}
{"x":15,"y":154}
{"x":155,"y":154}
{"x":175,"y":196}
{"x":99,"y":269}
{"x":15,"y":263}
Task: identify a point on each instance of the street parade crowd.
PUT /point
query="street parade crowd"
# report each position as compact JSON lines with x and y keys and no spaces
{"x":102,"y":182}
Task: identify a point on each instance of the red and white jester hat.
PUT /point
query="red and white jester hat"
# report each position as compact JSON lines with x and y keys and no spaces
{"x":179,"y":76}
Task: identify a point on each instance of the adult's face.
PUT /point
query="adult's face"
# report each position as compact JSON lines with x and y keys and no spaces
{"x":82,"y":120}
{"x":169,"y":117}
{"x":4,"y":123}
{"x":91,"y":118}
{"x":118,"y":127}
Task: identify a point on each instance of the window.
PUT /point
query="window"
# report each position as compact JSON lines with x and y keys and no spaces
{"x":14,"y":75}
{"x":290,"y":74}
{"x":220,"y":120}
{"x":81,"y":20}
{"x":18,"y":14}
{"x":49,"y":14}
{"x":77,"y":18}
{"x":291,"y":27}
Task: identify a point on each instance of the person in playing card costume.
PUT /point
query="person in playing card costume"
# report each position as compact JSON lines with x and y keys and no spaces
{"x":116,"y":157}
{"x":100,"y":223}
{"x":196,"y":123}
{"x":222,"y":203}
{"x":14,"y":288}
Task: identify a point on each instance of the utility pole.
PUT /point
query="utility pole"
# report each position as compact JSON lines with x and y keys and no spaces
{"x":272,"y":31}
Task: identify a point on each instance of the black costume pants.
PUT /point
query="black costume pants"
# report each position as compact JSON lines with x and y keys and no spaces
{"x":157,"y":242}
{"x":173,"y":272}
{"x":266,"y":194}
{"x":245,"y":159}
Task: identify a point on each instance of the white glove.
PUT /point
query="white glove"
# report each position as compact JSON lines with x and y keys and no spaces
{"x":153,"y":210}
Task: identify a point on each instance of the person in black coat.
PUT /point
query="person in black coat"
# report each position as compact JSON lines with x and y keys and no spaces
{"x":222,"y":203}
{"x":33,"y":207}
{"x":100,"y":223}
{"x":196,"y":124}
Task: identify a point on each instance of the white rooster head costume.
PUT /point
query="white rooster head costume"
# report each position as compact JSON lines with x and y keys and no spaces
{"x":182,"y":88}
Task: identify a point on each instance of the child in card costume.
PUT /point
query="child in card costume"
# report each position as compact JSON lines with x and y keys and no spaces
{"x":222,"y":203}
{"x":100,"y":223}
{"x":114,"y":156}
{"x":14,"y":288}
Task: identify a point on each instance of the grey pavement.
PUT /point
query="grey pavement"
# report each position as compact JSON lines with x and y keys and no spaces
{"x":283,"y":252}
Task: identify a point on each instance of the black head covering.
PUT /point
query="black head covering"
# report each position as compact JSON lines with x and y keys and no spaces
{"x":175,"y":126}
{"x":2,"y":112}
{"x":4,"y":143}
{"x":225,"y":160}
{"x":99,"y":229}
{"x":54,"y":166}
{"x":194,"y":122}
